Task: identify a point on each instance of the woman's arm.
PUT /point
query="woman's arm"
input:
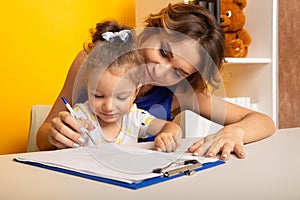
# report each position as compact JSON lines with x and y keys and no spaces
{"x":54,"y":132}
{"x":241,"y":125}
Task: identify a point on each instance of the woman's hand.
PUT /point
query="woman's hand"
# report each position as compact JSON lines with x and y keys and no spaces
{"x":65,"y":131}
{"x":227,"y":140}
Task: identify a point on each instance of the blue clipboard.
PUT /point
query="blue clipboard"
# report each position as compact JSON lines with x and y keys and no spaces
{"x":133,"y":186}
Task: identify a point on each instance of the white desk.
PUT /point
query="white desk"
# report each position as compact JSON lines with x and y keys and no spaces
{"x":270,"y":171}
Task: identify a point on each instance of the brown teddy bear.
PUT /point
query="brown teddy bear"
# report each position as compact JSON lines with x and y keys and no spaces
{"x":232,"y":18}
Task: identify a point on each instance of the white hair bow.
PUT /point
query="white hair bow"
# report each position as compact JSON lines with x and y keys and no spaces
{"x":124,"y":35}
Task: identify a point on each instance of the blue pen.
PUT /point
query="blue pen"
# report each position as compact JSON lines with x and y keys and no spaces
{"x":83,"y":130}
{"x":68,"y":106}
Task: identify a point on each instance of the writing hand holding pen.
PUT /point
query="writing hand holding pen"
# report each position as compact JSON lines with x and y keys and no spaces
{"x":82,"y":125}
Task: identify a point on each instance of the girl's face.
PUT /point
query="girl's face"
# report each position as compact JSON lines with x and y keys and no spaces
{"x":168,"y":63}
{"x":112,"y":97}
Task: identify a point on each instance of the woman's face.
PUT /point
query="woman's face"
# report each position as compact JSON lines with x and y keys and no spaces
{"x":167,"y":63}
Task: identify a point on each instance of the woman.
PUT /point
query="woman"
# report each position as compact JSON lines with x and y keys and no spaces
{"x":186,"y":74}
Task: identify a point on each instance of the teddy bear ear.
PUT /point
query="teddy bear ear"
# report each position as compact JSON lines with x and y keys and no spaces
{"x":241,"y":3}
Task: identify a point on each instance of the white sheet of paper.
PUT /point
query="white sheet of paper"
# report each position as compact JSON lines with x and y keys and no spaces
{"x":127,"y":163}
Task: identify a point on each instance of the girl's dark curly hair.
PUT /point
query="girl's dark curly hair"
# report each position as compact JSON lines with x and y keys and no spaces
{"x":117,"y":56}
{"x":102,"y":27}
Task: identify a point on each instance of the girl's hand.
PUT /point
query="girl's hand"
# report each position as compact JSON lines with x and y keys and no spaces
{"x":168,"y":141}
{"x":65,"y":131}
{"x":227,"y":140}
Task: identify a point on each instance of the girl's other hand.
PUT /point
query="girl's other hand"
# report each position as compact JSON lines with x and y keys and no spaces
{"x":168,"y":141}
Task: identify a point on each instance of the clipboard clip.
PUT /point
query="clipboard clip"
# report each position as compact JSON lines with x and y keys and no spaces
{"x":188,"y":168}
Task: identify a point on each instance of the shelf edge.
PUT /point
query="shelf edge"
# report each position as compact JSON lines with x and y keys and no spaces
{"x":247,"y":60}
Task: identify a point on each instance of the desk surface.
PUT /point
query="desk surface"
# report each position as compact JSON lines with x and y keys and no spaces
{"x":270,"y":171}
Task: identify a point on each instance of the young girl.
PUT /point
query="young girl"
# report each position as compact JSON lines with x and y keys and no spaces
{"x":241,"y":125}
{"x":114,"y":72}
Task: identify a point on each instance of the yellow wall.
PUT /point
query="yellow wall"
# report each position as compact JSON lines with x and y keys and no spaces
{"x":39,"y":40}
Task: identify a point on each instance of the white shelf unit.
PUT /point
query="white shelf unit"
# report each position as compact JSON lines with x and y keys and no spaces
{"x":254,"y":76}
